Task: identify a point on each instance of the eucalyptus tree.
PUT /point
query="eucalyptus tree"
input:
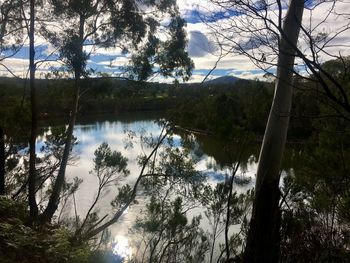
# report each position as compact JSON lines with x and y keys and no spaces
{"x":152,"y":28}
{"x":265,"y":221}
{"x":255,"y":28}
{"x":110,"y":167}
{"x":276,"y":43}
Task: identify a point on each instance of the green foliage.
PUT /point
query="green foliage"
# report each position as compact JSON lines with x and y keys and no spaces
{"x":12,"y":27}
{"x":11,"y":209}
{"x":110,"y":168}
{"x":14,"y":116}
{"x":70,"y":52}
{"x":214,"y":201}
{"x":316,"y":222}
{"x":223,"y":110}
{"x":132,"y":26}
{"x":109,"y":162}
{"x":169,"y":235}
{"x":317,"y":227}
{"x":316,"y":219}
{"x":21,"y":242}
{"x":174,"y":57}
{"x":123,"y":196}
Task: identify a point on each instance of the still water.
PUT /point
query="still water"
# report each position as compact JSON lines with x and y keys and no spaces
{"x":212,"y":160}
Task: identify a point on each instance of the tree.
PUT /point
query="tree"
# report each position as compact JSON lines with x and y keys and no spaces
{"x":105,"y":23}
{"x":265,"y":220}
{"x":110,"y":168}
{"x":34,"y":123}
{"x":14,"y":20}
{"x":317,"y":230}
{"x":18,"y":19}
{"x":224,"y":209}
{"x":256,"y":29}
{"x":127,"y":194}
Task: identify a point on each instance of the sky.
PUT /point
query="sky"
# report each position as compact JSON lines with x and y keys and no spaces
{"x":203,"y":48}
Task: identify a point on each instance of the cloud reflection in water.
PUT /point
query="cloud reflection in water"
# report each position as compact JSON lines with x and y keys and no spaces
{"x":121,"y":247}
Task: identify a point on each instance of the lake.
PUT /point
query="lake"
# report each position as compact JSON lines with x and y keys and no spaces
{"x":212,"y":160}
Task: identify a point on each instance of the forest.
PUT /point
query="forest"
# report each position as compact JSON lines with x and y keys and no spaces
{"x":127,"y":167}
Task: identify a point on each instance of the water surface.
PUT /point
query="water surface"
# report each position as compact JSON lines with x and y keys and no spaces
{"x":214,"y":160}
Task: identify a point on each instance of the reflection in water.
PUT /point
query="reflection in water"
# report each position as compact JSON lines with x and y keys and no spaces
{"x":212,"y":160}
{"x":121,"y":247}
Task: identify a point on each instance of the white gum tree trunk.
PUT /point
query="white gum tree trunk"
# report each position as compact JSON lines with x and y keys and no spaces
{"x":263,"y":236}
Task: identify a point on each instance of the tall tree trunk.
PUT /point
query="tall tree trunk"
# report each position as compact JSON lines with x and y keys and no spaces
{"x":2,"y":161}
{"x":263,"y":235}
{"x":55,"y":195}
{"x":32,"y":152}
{"x":57,"y":188}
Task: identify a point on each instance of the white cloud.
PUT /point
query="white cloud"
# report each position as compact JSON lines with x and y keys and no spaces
{"x":117,"y":62}
{"x":196,"y":78}
{"x":18,"y":66}
{"x":231,"y":61}
{"x":249,"y":75}
{"x":203,"y":50}
{"x":333,"y":24}
{"x":186,"y":7}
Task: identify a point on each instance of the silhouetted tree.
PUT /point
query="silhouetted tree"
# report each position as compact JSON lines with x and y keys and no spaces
{"x":34,"y":124}
{"x":123,"y":24}
{"x":11,"y":30}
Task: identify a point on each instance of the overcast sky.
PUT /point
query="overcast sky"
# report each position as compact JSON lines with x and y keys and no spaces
{"x":201,"y":46}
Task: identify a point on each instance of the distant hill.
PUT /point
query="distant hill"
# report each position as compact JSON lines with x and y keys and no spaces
{"x":223,"y":80}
